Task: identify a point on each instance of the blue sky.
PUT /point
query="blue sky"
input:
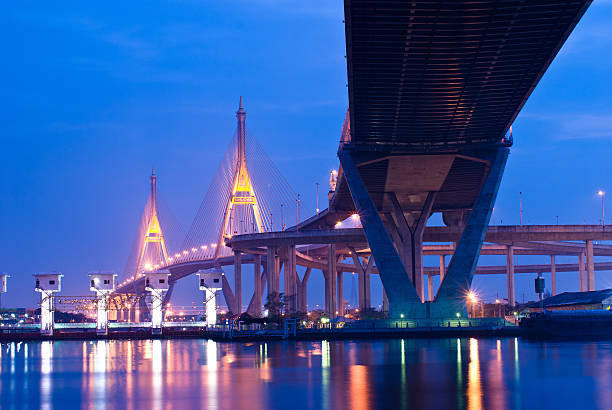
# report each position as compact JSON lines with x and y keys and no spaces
{"x":95,"y":94}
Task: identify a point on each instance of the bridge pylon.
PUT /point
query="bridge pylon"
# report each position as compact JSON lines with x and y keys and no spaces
{"x":242,"y":203}
{"x":153,"y":252}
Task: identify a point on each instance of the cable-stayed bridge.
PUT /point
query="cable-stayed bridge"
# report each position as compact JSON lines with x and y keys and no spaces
{"x":248,"y":194}
{"x":433,"y":90}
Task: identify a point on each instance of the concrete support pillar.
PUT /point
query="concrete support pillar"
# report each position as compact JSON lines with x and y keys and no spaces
{"x":442,"y":268}
{"x":237,"y":308}
{"x":340,"y":288}
{"x":367,"y":298}
{"x":510,"y":274}
{"x":385,"y":303}
{"x":363,"y":280}
{"x":327,"y":287}
{"x":581,"y":272}
{"x":303,"y":292}
{"x":291,"y":279}
{"x":553,"y":275}
{"x":257,"y":286}
{"x":590,"y":266}
{"x":331,"y":280}
{"x":272,"y":270}
{"x":430,"y":287}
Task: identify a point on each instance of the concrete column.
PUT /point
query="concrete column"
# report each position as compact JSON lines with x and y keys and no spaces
{"x":331,"y":280}
{"x":510,"y":274}
{"x":367,"y":302}
{"x":237,"y":283}
{"x":553,"y":275}
{"x":581,"y":272}
{"x":303,"y":292}
{"x":430,"y":287}
{"x":257,"y":286}
{"x":291,"y":279}
{"x":271,"y":261}
{"x":590,"y":265}
{"x":327,"y":288}
{"x":385,"y":304}
{"x":442,"y":268}
{"x":340,"y":288}
{"x":361,"y":288}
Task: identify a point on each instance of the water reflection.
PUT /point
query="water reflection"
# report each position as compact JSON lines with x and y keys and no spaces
{"x":46,"y":367}
{"x":453,"y":373}
{"x":157,"y":387}
{"x":211,"y":365}
{"x":474,"y":391}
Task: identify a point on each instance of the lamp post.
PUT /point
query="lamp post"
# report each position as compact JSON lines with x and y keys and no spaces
{"x":317,"y":185}
{"x":602,"y":194}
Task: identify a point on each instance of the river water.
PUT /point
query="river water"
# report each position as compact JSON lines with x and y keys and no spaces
{"x":427,"y":373}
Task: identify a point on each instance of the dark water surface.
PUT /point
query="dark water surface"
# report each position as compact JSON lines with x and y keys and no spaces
{"x":182,"y":374}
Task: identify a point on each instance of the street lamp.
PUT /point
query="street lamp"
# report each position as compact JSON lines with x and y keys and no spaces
{"x":472,"y":298}
{"x":602,"y":194}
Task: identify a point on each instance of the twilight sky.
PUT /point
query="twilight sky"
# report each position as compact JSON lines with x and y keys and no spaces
{"x":95,"y":94}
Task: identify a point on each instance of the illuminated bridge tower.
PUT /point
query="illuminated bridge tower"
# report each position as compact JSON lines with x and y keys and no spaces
{"x":153,"y":252}
{"x":242,"y":213}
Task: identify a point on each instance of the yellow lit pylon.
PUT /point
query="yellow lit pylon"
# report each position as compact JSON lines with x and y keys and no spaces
{"x":154,"y":232}
{"x":243,"y":193}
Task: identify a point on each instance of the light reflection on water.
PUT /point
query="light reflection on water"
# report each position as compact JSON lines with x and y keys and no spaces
{"x":440,"y":373}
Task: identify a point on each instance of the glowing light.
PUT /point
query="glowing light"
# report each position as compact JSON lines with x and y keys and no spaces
{"x":204,"y":247}
{"x":170,"y":258}
{"x":401,"y":315}
{"x":214,"y":245}
{"x":472,"y":297}
{"x":338,"y":224}
{"x":357,"y":310}
{"x":194,"y":249}
{"x":177,"y":255}
{"x":185,"y":253}
{"x":355,"y":217}
{"x":148,"y":266}
{"x":600,"y":193}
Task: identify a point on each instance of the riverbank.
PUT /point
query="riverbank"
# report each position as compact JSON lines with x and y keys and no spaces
{"x":367,"y":330}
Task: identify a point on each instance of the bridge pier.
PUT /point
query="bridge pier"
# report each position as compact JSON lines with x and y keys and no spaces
{"x":273,"y":274}
{"x":510,"y":274}
{"x":340,"y":290}
{"x":291,"y":279}
{"x":553,"y":276}
{"x":442,"y":268}
{"x":363,"y":279}
{"x":581,"y":271}
{"x":330,"y":281}
{"x":303,"y":292}
{"x":256,"y":308}
{"x":590,"y":266}
{"x":237,"y":308}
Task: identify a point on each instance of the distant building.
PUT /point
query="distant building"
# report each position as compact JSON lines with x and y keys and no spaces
{"x":597,"y":299}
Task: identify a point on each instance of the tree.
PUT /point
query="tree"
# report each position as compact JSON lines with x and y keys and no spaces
{"x":275,"y":304}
